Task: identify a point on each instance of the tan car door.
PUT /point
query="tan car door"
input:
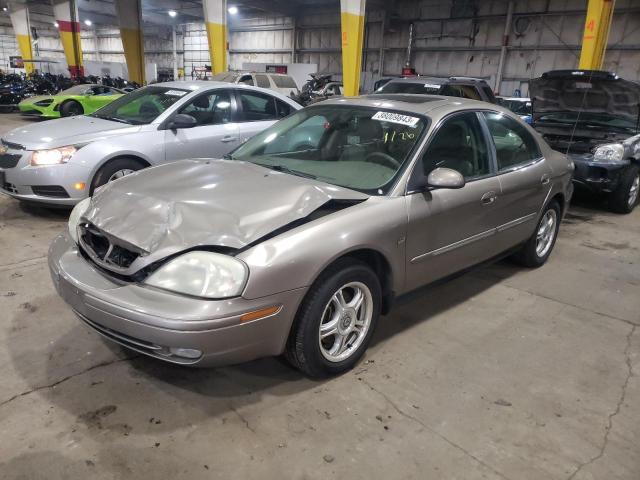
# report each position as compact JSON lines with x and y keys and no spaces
{"x":449,"y":230}
{"x":524,"y":177}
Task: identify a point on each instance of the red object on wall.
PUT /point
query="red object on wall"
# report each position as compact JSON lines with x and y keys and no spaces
{"x":408,"y":72}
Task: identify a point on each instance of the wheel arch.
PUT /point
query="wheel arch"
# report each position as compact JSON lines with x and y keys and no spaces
{"x":112,"y":158}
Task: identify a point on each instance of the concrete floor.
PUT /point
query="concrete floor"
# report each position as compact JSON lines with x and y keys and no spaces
{"x":503,"y":373}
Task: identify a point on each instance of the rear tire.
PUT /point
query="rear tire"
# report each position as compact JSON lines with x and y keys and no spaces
{"x":71,"y":108}
{"x":625,"y":198}
{"x":112,"y":170}
{"x":538,"y":248}
{"x":311,"y":346}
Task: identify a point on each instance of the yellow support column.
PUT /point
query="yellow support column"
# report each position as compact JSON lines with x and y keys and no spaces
{"x":352,"y":20}
{"x":66,"y":14}
{"x":596,"y":34}
{"x":215,"y":18}
{"x":20,"y":22}
{"x":129,"y":14}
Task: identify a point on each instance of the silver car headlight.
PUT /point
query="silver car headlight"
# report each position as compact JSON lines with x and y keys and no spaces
{"x":202,"y":274}
{"x":53,"y":156}
{"x":77,"y":212}
{"x":610,"y":153}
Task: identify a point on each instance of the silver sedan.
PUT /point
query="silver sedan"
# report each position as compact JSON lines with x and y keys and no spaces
{"x":61,"y":162}
{"x":283,"y":248}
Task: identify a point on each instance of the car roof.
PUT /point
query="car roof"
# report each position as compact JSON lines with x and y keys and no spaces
{"x":517,"y":99}
{"x":414,"y":103}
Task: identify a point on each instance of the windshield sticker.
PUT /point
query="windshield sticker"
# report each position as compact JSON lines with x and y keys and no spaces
{"x":431,"y":85}
{"x":396,"y":118}
{"x":175,"y":93}
{"x":583,"y":85}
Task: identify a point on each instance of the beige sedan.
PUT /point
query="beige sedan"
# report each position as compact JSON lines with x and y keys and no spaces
{"x":298,"y":240}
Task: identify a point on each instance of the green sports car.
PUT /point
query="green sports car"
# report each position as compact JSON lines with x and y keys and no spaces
{"x":77,"y":100}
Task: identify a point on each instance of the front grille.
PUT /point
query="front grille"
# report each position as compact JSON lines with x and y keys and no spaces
{"x":12,"y":146}
{"x":105,"y":251}
{"x":9,"y":160}
{"x":54,"y":191}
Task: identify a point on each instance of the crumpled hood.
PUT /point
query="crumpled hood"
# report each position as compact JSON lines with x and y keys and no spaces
{"x":202,"y":202}
{"x":584,"y":91}
{"x":66,"y":131}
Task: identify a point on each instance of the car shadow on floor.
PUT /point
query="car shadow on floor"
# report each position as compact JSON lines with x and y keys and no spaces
{"x":129,"y":382}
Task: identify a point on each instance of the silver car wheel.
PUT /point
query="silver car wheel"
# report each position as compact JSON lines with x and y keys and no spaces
{"x":345,"y":321}
{"x":546,"y":232}
{"x":120,"y":174}
{"x":633,"y":191}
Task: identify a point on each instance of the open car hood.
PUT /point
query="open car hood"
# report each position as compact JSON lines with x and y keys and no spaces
{"x":215,"y":203}
{"x":584,"y":91}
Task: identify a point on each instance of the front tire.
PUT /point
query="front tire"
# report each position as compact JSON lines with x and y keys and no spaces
{"x":335,"y":322}
{"x":538,"y":248}
{"x":113,"y":170}
{"x":71,"y":108}
{"x":625,"y":198}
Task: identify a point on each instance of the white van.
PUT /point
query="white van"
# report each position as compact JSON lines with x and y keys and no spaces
{"x":280,"y":82}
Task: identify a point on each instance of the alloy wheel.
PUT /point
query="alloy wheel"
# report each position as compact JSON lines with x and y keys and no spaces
{"x":120,"y":173}
{"x":546,"y":232}
{"x":345,"y":321}
{"x":633,"y":191}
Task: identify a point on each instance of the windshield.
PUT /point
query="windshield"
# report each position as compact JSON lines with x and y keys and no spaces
{"x":141,"y":106}
{"x":354,"y":147}
{"x":410,"y":87}
{"x":588,"y":119}
{"x":75,"y":90}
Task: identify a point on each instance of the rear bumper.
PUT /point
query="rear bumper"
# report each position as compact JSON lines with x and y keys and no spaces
{"x":596,"y":177}
{"x":152,"y":321}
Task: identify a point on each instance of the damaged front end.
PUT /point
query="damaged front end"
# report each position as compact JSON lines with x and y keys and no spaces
{"x":146,"y":235}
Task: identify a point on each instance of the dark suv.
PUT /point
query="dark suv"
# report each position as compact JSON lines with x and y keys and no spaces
{"x":593,"y":117}
{"x":465,"y":87}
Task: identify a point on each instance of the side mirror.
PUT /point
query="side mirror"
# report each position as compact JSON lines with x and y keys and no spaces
{"x":445,"y":178}
{"x":182,"y":120}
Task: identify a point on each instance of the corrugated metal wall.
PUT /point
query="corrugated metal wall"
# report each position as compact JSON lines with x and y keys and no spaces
{"x":452,"y":37}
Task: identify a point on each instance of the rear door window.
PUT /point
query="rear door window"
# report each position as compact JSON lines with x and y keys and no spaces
{"x":257,"y":106}
{"x":284,"y":81}
{"x":514,"y":144}
{"x":262,"y":81}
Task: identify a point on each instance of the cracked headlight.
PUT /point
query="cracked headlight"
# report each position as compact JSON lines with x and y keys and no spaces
{"x":74,"y":218}
{"x":202,"y":274}
{"x":610,"y":153}
{"x":54,"y":156}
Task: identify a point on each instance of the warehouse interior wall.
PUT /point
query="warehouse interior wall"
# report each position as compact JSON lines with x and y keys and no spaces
{"x":448,"y":40}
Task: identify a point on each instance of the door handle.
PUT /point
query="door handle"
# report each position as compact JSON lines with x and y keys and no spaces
{"x":228,"y":139}
{"x":545,"y":179}
{"x":488,"y":198}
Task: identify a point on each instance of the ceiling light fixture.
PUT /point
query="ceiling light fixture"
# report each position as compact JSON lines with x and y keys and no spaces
{"x":172,"y":13}
{"x":233,"y":10}
{"x":4,"y":9}
{"x":88,"y":23}
{"x":56,"y":24}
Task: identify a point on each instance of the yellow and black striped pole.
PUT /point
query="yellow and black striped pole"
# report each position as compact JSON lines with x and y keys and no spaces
{"x":129,"y":14}
{"x":66,"y":15}
{"x":352,"y":20}
{"x":596,"y":34}
{"x":215,"y":18}
{"x":20,"y":22}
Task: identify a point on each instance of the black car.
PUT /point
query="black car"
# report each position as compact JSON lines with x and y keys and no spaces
{"x":593,"y":117}
{"x":465,"y":87}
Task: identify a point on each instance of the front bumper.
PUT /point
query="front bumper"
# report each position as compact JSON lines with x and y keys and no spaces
{"x":33,"y":110}
{"x":597,"y":177}
{"x":51,"y":185}
{"x":151,"y":321}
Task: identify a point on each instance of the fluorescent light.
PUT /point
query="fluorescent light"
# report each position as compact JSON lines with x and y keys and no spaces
{"x":88,"y":22}
{"x":172,"y":13}
{"x":233,"y":10}
{"x":56,"y":24}
{"x":4,"y":9}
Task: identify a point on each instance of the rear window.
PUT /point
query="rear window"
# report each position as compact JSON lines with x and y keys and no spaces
{"x":463,"y":91}
{"x":225,"y":77}
{"x":284,"y":81}
{"x":410,"y":87}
